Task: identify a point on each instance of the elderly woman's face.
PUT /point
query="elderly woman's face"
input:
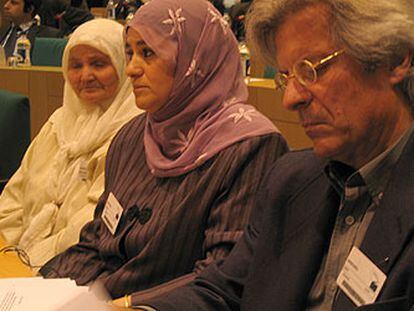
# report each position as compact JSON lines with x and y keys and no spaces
{"x":92,"y":75}
{"x":347,"y":111}
{"x":152,"y":78}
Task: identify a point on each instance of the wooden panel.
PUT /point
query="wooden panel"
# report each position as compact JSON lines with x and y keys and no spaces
{"x":43,"y":86}
{"x":294,"y":134}
{"x":98,"y":11}
{"x":266,"y":99}
{"x":15,"y":81}
{"x":55,"y":84}
{"x":38,"y":100}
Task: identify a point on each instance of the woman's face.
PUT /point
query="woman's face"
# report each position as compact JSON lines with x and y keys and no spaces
{"x":152,"y":77}
{"x":92,"y":75}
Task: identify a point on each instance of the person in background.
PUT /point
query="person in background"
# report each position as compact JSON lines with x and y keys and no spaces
{"x":60,"y":14}
{"x":219,"y":5}
{"x":95,"y":3}
{"x":54,"y":192}
{"x":237,"y":15}
{"x":21,"y":15}
{"x":181,"y":179}
{"x":126,"y":8}
{"x":337,"y":228}
{"x":82,"y":4}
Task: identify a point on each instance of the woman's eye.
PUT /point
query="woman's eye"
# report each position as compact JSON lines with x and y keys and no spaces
{"x":75,"y":65}
{"x":98,"y":64}
{"x":128,"y":54}
{"x":147,"y":52}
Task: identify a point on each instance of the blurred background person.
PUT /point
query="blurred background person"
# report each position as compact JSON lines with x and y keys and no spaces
{"x":64,"y":16}
{"x":126,"y":8}
{"x":20,"y":14}
{"x":219,"y":5}
{"x":237,"y":14}
{"x":55,"y":190}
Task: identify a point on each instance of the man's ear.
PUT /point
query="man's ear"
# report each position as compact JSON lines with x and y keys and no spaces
{"x":400,"y":70}
{"x":31,"y":9}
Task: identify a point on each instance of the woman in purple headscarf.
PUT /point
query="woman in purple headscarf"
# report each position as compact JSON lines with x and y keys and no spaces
{"x":181,"y":179}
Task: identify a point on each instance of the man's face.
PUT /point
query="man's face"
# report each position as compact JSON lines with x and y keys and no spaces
{"x":348,"y":113}
{"x":13,"y":11}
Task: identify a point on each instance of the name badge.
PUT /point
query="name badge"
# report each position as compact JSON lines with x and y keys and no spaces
{"x":112,"y":213}
{"x":83,"y":170}
{"x":360,"y":279}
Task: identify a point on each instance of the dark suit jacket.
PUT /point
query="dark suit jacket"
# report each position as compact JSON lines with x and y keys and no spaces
{"x":35,"y":31}
{"x":274,"y":265}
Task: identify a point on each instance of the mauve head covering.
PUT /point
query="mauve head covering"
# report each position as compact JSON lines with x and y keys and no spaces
{"x":206,"y":110}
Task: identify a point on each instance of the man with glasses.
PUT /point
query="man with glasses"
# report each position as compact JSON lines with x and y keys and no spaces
{"x":334,"y":226}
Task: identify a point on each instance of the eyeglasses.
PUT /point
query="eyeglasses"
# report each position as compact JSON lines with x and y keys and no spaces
{"x":304,"y":71}
{"x":23,"y":256}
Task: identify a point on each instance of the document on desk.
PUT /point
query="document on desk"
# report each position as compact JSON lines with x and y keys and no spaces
{"x":22,"y":294}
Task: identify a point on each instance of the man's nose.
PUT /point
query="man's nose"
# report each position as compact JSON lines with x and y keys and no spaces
{"x":295,"y":95}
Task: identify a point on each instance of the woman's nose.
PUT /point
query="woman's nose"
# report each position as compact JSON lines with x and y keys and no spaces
{"x":134,"y":68}
{"x":86,"y":74}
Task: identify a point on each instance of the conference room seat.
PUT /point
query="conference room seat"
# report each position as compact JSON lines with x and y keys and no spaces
{"x":14,"y":132}
{"x":48,"y":51}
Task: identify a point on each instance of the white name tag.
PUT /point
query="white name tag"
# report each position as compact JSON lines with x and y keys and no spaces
{"x":360,"y":279}
{"x":112,"y":213}
{"x":83,"y":170}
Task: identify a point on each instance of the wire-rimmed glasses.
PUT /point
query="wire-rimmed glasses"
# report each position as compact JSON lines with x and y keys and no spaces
{"x":304,"y":71}
{"x":21,"y":254}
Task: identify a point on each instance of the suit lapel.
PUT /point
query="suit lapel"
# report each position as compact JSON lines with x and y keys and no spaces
{"x":393,"y":223}
{"x":286,"y":270}
{"x":4,"y":33}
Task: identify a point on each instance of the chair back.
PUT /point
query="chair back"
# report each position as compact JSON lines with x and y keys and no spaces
{"x":269,"y":72}
{"x":48,"y":51}
{"x":14,"y":132}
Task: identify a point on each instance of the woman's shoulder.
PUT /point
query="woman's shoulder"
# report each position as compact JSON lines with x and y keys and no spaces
{"x":131,"y":130}
{"x":128,"y":138}
{"x":263,"y":149}
{"x":252,"y":144}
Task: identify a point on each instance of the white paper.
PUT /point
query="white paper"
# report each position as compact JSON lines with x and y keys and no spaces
{"x":38,"y":294}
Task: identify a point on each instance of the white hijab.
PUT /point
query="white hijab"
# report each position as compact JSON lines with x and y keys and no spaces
{"x":81,"y":129}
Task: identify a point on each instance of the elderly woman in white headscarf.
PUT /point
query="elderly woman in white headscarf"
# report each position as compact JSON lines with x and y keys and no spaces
{"x":55,"y":190}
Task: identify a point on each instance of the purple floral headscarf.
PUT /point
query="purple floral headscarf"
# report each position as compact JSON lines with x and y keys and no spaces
{"x":206,"y":110}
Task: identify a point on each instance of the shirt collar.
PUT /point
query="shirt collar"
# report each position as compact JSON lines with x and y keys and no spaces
{"x":25,"y":26}
{"x":375,"y":174}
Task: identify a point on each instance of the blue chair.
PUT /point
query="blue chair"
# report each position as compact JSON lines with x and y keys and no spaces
{"x":48,"y":51}
{"x":14,"y":133}
{"x":269,"y":72}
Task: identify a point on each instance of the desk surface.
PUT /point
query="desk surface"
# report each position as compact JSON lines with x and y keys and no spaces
{"x":11,"y":266}
{"x":33,"y":68}
{"x":261,"y":83}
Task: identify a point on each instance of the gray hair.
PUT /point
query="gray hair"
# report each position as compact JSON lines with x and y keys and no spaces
{"x":371,"y":31}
